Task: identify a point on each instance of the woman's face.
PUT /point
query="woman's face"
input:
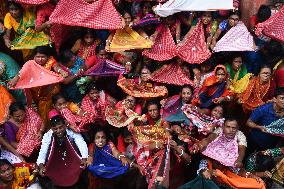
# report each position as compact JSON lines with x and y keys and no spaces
{"x":237,"y":63}
{"x":145,"y":74}
{"x":94,"y":94}
{"x":19,"y":116}
{"x":6,"y":173}
{"x":233,"y":20}
{"x":15,"y":11}
{"x":100,"y":139}
{"x":128,"y":140}
{"x":60,"y":104}
{"x":217,"y":112}
{"x":206,"y":18}
{"x":186,"y":94}
{"x":89,"y":39}
{"x":102,"y":54}
{"x":153,"y":111}
{"x":127,"y":18}
{"x":41,"y":59}
{"x":221,"y":75}
{"x":130,"y":102}
{"x":265,"y":74}
{"x":146,"y":8}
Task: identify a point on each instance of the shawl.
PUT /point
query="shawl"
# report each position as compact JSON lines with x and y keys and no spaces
{"x":174,"y":6}
{"x":32,"y":2}
{"x":238,"y":38}
{"x":105,"y":165}
{"x":96,"y":110}
{"x":193,"y":48}
{"x":63,"y":163}
{"x":128,"y":39}
{"x":146,"y":90}
{"x":201,"y":121}
{"x":5,"y":101}
{"x":276,"y":127}
{"x":28,"y":133}
{"x":119,"y":116}
{"x":149,"y":19}
{"x":59,"y":33}
{"x":171,"y":74}
{"x":100,"y":14}
{"x":34,"y":75}
{"x":272,"y":27}
{"x":164,"y":47}
{"x":105,"y":67}
{"x":223,"y":150}
{"x":199,"y":182}
{"x":253,"y":96}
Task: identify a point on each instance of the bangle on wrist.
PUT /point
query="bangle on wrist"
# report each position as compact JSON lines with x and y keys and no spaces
{"x":182,"y":152}
{"x":247,"y":174}
{"x":156,"y":144}
{"x":131,"y":164}
{"x":120,"y":156}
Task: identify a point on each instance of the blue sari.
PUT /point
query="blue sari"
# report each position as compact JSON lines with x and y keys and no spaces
{"x":105,"y":165}
{"x":206,"y":99}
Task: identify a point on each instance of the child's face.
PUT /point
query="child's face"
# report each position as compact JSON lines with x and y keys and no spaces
{"x":89,"y":39}
{"x":94,"y":94}
{"x":217,"y":112}
{"x":176,"y":129}
{"x":128,"y":140}
{"x":102,"y":54}
{"x":100,"y":139}
{"x":60,"y":104}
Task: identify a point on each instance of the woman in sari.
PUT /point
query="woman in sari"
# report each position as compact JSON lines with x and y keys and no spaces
{"x":23,"y":23}
{"x":8,"y":70}
{"x":214,"y":89}
{"x":5,"y":100}
{"x":42,"y":95}
{"x":24,"y":130}
{"x":238,"y":75}
{"x":260,"y":89}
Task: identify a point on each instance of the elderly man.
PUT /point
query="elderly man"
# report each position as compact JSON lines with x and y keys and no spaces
{"x":63,"y":154}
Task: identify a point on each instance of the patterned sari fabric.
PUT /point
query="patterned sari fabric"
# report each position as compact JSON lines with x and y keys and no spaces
{"x":238,"y":38}
{"x":277,"y":172}
{"x":63,"y":162}
{"x":128,"y":39}
{"x":201,"y":183}
{"x":100,"y":14}
{"x":193,"y":48}
{"x":27,"y":134}
{"x":212,"y":89}
{"x":119,"y":116}
{"x":105,"y":165}
{"x":26,"y":36}
{"x":223,"y":150}
{"x":254,"y":94}
{"x":22,"y":175}
{"x":171,"y":74}
{"x":276,"y":127}
{"x":95,"y":110}
{"x":143,"y":90}
{"x":201,"y":121}
{"x":272,"y":27}
{"x":32,"y":2}
{"x":5,"y":100}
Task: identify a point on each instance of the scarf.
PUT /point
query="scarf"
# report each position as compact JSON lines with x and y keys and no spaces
{"x":223,"y":150}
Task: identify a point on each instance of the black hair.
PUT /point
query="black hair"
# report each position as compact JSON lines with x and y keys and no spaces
{"x":264,"y":12}
{"x":66,"y":56}
{"x":56,"y":97}
{"x":236,"y":55}
{"x":5,"y":162}
{"x":232,"y":118}
{"x":235,"y":12}
{"x":153,"y":103}
{"x":91,"y":86}
{"x":15,"y":4}
{"x":46,"y":50}
{"x":102,"y":129}
{"x":279,"y":91}
{"x":264,"y":162}
{"x":188,"y":87}
{"x":265,"y":66}
{"x":126,"y":133}
{"x":56,"y":120}
{"x":86,"y":31}
{"x":15,"y":106}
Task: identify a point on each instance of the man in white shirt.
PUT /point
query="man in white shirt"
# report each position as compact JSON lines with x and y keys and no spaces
{"x":63,"y":154}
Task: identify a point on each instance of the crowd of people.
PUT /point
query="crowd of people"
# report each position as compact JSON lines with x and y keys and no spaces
{"x":136,"y":94}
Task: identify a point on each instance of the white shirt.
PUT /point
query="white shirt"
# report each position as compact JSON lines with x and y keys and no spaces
{"x":46,"y":141}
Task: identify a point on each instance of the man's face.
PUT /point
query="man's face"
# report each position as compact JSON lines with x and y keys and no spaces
{"x":59,"y":130}
{"x":230,"y":128}
{"x":279,"y":101}
{"x":153,"y":111}
{"x":6,"y":173}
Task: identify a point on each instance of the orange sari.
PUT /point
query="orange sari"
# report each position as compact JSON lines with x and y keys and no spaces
{"x":5,"y":100}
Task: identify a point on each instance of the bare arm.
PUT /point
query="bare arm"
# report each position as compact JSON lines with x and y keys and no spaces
{"x":214,"y":38}
{"x":10,"y":148}
{"x":253,"y":125}
{"x":7,"y":38}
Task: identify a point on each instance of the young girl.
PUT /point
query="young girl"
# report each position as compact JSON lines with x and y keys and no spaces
{"x":86,"y":46}
{"x":75,"y":117}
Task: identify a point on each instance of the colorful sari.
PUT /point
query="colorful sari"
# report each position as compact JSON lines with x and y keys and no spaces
{"x":212,"y":89}
{"x":276,"y":127}
{"x":26,"y":36}
{"x":63,"y":165}
{"x":105,"y":165}
{"x":201,"y":121}
{"x":277,"y":173}
{"x":28,"y":141}
{"x":239,"y":79}
{"x":5,"y":100}
{"x":128,"y":39}
{"x":199,"y":182}
{"x":255,"y":94}
{"x":145,"y":90}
